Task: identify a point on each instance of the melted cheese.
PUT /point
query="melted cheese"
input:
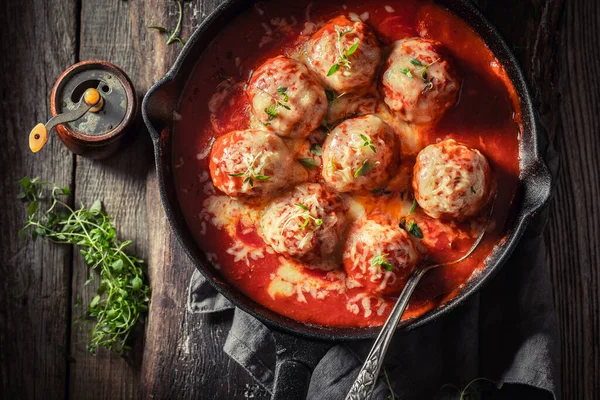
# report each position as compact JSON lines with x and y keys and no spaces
{"x":450,"y":180}
{"x":224,"y":212}
{"x":290,"y":279}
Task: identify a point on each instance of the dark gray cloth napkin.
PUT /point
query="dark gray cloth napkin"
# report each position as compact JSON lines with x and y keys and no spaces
{"x":507,"y":333}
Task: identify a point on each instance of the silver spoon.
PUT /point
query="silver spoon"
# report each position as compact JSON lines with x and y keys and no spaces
{"x":363,"y":386}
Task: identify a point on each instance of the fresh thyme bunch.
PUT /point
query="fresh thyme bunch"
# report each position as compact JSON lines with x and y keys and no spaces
{"x":123,"y":293}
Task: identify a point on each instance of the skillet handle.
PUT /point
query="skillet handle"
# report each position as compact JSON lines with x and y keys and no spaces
{"x":538,"y":189}
{"x":158,"y":107}
{"x":296,"y":359}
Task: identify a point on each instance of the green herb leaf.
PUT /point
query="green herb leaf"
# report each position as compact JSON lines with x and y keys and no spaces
{"x":308,"y":163}
{"x":316,"y":149}
{"x":251,"y":173}
{"x":352,"y":49}
{"x":33,"y":207}
{"x":381,"y":261}
{"x":406,"y":72}
{"x":136,"y":283}
{"x":95,"y":301}
{"x":414,"y":230}
{"x":416,"y":62}
{"x":161,"y":29}
{"x":92,"y":231}
{"x":118,"y":265}
{"x":302,"y":206}
{"x":334,"y":68}
{"x":174,"y":35}
{"x":413,"y":207}
{"x":271,"y":112}
{"x":96,"y":207}
{"x":368,"y":142}
{"x":305,"y":224}
{"x":365,"y":168}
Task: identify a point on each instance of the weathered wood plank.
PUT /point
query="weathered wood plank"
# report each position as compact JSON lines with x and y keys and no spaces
{"x":34,"y":277}
{"x":119,"y":181}
{"x":191,"y":363}
{"x":556,"y":42}
{"x":574,"y":230}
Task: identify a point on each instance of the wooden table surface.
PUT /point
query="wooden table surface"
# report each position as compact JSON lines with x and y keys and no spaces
{"x":42,"y":356}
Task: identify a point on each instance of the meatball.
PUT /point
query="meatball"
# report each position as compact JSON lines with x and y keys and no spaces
{"x":344,"y":54}
{"x":379,"y":255}
{"x":252,"y":164}
{"x":452,"y":181}
{"x":418,"y":83}
{"x":306,"y":223}
{"x":286,"y":98}
{"x":360,"y":154}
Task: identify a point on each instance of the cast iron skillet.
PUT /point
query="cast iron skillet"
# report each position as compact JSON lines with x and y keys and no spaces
{"x":301,"y":346}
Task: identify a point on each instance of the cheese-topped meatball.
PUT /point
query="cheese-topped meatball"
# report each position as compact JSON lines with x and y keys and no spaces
{"x":452,"y":181}
{"x":379,"y":255}
{"x":252,"y":164}
{"x":305,"y":223}
{"x":344,"y":54}
{"x":286,"y":98}
{"x":360,"y":154}
{"x":418,"y":83}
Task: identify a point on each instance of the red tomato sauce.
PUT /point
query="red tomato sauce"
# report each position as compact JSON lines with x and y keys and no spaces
{"x":487,"y":118}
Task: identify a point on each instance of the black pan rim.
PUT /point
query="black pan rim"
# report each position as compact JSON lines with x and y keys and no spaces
{"x":533,"y":171}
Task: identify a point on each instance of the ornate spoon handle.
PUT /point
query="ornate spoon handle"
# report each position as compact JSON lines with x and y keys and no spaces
{"x":362,"y":388}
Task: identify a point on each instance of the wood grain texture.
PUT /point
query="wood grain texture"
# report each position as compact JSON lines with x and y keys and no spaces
{"x":34,"y":277}
{"x":183,"y":356}
{"x":556,"y":42}
{"x":574,"y":230}
{"x":119,"y":181}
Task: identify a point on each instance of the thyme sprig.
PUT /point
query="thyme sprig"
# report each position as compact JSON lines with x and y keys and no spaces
{"x":411,"y":227}
{"x":367,"y":142}
{"x":422,"y":70}
{"x":123,"y":294}
{"x":381,"y":261}
{"x":281,"y":100}
{"x":470,"y":391}
{"x":173,"y":35}
{"x":413,"y":208}
{"x":344,"y":54}
{"x":308,"y":163}
{"x":307,"y":217}
{"x":365,"y":168}
{"x":250,"y":174}
{"x":316,"y":149}
{"x":392,"y":395}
